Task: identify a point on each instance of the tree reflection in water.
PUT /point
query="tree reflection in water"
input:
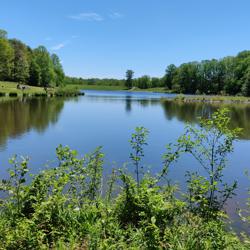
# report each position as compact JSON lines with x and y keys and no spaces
{"x":20,"y":115}
{"x":190,"y":112}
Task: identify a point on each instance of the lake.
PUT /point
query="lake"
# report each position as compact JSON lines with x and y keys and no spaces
{"x":35,"y":127}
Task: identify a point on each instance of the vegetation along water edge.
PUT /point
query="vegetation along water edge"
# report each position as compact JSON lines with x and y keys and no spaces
{"x":65,"y":206}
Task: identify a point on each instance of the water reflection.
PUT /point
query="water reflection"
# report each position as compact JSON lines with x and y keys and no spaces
{"x":183,"y":112}
{"x":108,"y":119}
{"x":128,"y":104}
{"x":20,"y":115}
{"x":189,"y":112}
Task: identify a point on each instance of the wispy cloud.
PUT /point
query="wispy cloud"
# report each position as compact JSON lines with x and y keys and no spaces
{"x":48,"y":39}
{"x":87,"y":16}
{"x":58,"y":46}
{"x":115,"y":15}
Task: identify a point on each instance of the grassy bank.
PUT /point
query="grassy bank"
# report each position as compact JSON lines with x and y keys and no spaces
{"x":9,"y":89}
{"x":210,"y":99}
{"x":156,"y":90}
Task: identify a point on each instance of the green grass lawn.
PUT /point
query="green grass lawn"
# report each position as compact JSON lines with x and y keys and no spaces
{"x":11,"y":87}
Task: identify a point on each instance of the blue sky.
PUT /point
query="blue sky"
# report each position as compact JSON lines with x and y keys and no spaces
{"x":104,"y":38}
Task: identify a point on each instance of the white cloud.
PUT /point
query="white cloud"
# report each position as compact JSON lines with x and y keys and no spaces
{"x":58,"y":46}
{"x":87,"y":16}
{"x":115,"y":15}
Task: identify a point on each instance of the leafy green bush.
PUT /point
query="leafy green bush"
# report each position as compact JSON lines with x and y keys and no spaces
{"x":67,"y":91}
{"x":63,"y":207}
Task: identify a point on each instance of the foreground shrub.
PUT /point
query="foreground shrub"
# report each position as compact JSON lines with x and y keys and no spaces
{"x":63,"y":207}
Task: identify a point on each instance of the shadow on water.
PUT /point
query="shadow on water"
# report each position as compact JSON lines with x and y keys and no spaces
{"x":20,"y":115}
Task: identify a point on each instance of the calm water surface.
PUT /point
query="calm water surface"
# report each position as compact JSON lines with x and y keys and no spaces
{"x":35,"y":127}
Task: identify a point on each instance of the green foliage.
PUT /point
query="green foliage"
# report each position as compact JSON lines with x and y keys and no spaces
{"x":156,"y":82}
{"x":210,"y":146}
{"x":229,"y":75}
{"x":68,"y":90}
{"x":143,"y":82}
{"x":63,"y":207}
{"x":6,"y":59}
{"x":192,"y":232}
{"x":169,"y":76}
{"x":35,"y":73}
{"x":129,"y":78}
{"x":138,"y":141}
{"x":43,"y":60}
{"x":95,"y":82}
{"x":15,"y":186}
{"x":19,"y":63}
{"x":58,"y":69}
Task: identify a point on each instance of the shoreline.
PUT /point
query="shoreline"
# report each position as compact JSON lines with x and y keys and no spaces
{"x":178,"y":97}
{"x":210,"y":99}
{"x":9,"y":90}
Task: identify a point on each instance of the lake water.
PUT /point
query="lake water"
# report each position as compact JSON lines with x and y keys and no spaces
{"x":35,"y":127}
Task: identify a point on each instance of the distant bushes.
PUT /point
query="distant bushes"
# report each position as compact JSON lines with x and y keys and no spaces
{"x":93,"y":81}
{"x":68,"y":91}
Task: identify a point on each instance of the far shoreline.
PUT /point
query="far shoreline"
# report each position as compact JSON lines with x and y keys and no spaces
{"x":185,"y":98}
{"x":8,"y":89}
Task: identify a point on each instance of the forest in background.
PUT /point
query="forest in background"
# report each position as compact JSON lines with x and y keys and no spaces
{"x":227,"y":76}
{"x":37,"y":67}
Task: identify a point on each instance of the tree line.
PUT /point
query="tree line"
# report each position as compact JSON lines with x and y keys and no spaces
{"x":94,"y":81}
{"x":19,"y":63}
{"x":227,"y":76}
